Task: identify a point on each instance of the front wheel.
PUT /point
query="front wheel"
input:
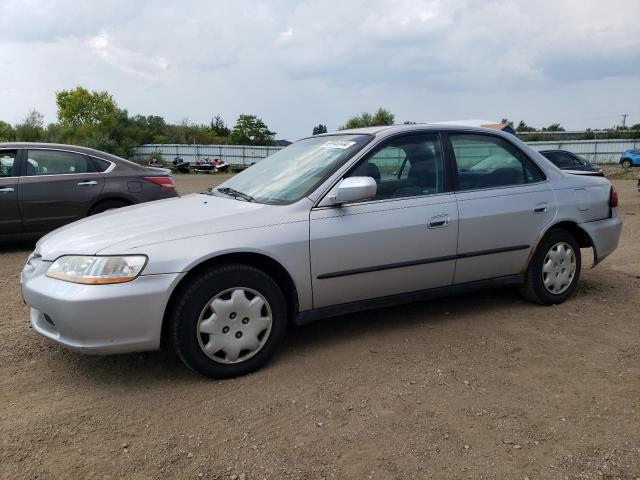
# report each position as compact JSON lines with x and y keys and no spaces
{"x":228,"y":321}
{"x":626,"y":163}
{"x":554,"y":269}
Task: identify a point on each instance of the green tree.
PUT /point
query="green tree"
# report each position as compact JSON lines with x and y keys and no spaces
{"x":554,"y":127}
{"x":506,"y":121}
{"x":7,"y":132}
{"x":251,"y":130}
{"x":379,"y":118}
{"x":320,"y":129}
{"x":80,"y":106}
{"x":359,"y":121}
{"x":382,"y":117}
{"x":218,"y":127}
{"x":587,"y":135}
{"x":523,"y":127}
{"x":32,"y":128}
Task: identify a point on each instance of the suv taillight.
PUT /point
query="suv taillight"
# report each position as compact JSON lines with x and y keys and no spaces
{"x":166,"y":183}
{"x":613,"y":198}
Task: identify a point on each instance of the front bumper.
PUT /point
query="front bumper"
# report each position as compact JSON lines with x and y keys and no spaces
{"x":100,"y":319}
{"x":604,"y":235}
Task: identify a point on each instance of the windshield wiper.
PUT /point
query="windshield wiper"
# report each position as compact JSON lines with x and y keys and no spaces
{"x":236,"y":194}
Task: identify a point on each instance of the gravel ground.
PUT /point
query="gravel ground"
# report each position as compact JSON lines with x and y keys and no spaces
{"x":483,"y":385}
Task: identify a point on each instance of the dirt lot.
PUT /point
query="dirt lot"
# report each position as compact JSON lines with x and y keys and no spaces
{"x":484,"y":385}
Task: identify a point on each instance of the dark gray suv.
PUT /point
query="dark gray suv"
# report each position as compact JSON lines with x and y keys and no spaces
{"x":44,"y":186}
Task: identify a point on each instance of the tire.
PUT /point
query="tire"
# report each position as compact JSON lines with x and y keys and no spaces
{"x":549,"y":280}
{"x":626,"y":163}
{"x":107,"y":205}
{"x":237,"y":336}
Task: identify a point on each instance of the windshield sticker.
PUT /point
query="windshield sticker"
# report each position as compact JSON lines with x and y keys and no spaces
{"x":341,"y":144}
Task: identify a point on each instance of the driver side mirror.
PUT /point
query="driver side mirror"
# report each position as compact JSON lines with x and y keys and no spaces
{"x":354,"y":189}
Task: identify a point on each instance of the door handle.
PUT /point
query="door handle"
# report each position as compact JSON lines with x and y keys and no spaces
{"x":7,"y":190}
{"x":88,"y":183}
{"x":439,"y":221}
{"x":540,"y":208}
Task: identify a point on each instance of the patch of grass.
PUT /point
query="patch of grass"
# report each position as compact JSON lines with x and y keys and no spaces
{"x":616,"y":172}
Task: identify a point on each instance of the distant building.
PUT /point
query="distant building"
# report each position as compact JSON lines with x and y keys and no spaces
{"x":480,"y":123}
{"x":283,"y":143}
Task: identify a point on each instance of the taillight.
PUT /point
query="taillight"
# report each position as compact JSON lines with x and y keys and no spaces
{"x":613,"y":199}
{"x":166,"y":183}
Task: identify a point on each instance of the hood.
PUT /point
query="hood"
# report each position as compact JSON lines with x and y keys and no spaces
{"x":155,"y":222}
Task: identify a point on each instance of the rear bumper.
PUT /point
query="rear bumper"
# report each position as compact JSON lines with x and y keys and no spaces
{"x":100,"y":319}
{"x":604,"y":235}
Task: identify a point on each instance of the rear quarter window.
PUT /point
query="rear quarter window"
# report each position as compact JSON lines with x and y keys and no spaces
{"x":100,"y":165}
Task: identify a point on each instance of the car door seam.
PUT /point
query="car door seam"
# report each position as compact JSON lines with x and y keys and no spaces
{"x":423,"y":261}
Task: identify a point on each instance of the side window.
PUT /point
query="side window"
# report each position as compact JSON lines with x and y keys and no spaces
{"x":7,"y":163}
{"x":489,"y":162}
{"x":54,"y":162}
{"x":100,"y":165}
{"x":562,"y":160}
{"x":576,"y":161}
{"x":406,"y":167}
{"x":389,"y":162}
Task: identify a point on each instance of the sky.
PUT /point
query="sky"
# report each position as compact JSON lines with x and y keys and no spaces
{"x":298,"y":64}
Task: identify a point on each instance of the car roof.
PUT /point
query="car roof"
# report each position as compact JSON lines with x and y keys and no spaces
{"x":59,"y":146}
{"x":70,"y":148}
{"x":412,"y":127}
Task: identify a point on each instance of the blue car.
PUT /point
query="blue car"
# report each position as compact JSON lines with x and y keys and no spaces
{"x":630,"y":158}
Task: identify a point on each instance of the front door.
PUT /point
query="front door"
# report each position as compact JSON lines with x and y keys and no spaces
{"x":10,"y":220}
{"x":402,"y":240}
{"x":504,"y":203}
{"x":57,"y":187}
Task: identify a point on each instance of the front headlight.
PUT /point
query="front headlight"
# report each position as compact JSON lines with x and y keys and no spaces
{"x":97,"y":270}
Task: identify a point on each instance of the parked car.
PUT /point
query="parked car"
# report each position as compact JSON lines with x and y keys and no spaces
{"x":330,"y":225}
{"x":44,"y":186}
{"x":630,"y":158}
{"x":567,"y":160}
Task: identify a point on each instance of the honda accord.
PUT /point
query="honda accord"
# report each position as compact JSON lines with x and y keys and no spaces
{"x":332,"y":224}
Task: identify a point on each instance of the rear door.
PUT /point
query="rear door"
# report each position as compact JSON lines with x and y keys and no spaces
{"x":10,"y":220}
{"x":57,"y":187}
{"x":504,"y":203}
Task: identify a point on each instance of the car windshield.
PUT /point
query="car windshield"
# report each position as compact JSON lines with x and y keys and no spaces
{"x":293,"y":172}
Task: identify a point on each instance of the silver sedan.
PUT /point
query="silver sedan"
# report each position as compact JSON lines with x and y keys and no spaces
{"x":332,"y":224}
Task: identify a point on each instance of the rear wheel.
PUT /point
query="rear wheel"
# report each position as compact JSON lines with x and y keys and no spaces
{"x":554,"y":269}
{"x":626,"y":163}
{"x":107,"y":205}
{"x":228,"y":321}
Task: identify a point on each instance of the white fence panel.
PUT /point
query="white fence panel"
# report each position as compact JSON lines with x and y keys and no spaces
{"x":235,"y":155}
{"x":596,"y":151}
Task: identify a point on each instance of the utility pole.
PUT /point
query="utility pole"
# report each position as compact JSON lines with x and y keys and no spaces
{"x":624,"y":120}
